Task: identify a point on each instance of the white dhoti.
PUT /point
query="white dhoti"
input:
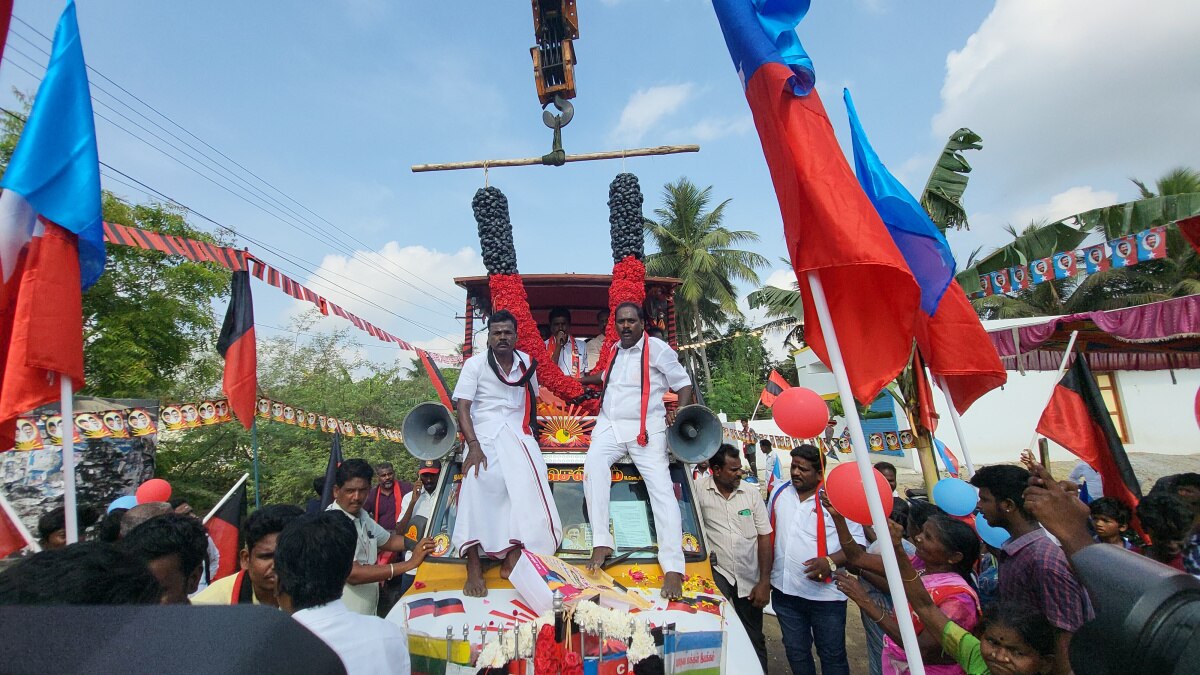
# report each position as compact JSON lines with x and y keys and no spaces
{"x":509,"y":504}
{"x":652,"y":462}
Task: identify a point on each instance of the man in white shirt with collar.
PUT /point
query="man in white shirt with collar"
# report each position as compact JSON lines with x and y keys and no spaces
{"x":594,"y":345}
{"x":633,"y":421}
{"x":568,"y":351}
{"x":809,"y":606}
{"x":313,"y":556}
{"x":352,"y":483}
{"x":504,"y":503}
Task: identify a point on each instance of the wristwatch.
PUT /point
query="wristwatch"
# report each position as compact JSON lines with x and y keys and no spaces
{"x":832,"y":565}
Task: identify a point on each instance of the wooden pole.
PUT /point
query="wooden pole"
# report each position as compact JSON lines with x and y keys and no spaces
{"x":533,"y":161}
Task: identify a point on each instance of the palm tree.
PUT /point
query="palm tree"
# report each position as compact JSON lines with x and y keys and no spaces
{"x":694,"y":247}
{"x":784,"y":307}
{"x":1178,"y":181}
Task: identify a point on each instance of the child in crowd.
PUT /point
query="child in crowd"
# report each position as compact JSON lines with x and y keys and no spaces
{"x":1168,"y":521}
{"x":1110,"y":520}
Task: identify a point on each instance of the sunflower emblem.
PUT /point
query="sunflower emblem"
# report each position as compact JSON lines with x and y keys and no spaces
{"x":566,"y":428}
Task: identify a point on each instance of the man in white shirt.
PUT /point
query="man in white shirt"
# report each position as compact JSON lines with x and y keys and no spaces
{"x":352,"y":483}
{"x":313,"y":556}
{"x":633,"y":421}
{"x":504,"y":503}
{"x":569,"y":352}
{"x":418,"y":503}
{"x":809,"y":606}
{"x":594,"y":345}
{"x":738,"y":533}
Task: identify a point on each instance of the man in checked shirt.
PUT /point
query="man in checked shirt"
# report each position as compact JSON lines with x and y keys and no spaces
{"x":738,"y":534}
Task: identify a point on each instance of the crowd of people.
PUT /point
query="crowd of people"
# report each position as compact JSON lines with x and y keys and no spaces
{"x":977,"y":609}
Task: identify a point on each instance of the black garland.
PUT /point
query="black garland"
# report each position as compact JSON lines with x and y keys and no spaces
{"x":626,"y":224}
{"x":495,"y":231}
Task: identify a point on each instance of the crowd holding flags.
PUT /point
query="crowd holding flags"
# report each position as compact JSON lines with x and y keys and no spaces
{"x":224,"y":525}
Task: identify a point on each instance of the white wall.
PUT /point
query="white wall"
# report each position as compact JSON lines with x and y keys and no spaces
{"x":1160,"y":415}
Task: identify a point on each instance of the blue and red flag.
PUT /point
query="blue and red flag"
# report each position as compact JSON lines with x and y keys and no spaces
{"x":1064,"y":265}
{"x":829,"y":224}
{"x":949,"y":461}
{"x":51,"y":235}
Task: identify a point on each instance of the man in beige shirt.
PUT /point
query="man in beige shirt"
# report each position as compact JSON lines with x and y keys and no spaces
{"x":738,"y":533}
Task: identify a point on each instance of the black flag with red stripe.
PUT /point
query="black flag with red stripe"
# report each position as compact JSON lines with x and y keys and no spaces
{"x":236,"y":344}
{"x":225,"y":528}
{"x":331,"y":467}
{"x":1078,"y":420}
{"x":775,"y":386}
{"x":435,"y":376}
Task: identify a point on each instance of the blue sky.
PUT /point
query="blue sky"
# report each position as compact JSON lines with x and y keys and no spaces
{"x":332,"y":102}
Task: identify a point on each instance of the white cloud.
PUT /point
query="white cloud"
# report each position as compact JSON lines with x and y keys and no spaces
{"x":1067,"y":203}
{"x":785,"y":278}
{"x":1065,"y":89}
{"x":646,"y":107}
{"x":712,"y":128}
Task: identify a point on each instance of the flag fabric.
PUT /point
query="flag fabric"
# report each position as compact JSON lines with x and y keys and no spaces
{"x":51,"y":235}
{"x":1041,"y":270}
{"x":775,"y":471}
{"x":435,"y":376}
{"x":225,"y":528}
{"x":1190,"y":229}
{"x":927,"y":417}
{"x":1078,"y":420}
{"x":437,"y":656}
{"x":948,"y":459}
{"x":1152,"y":244}
{"x":1019,"y":277}
{"x":920,"y":241}
{"x":237,"y":345}
{"x":955,"y":346}
{"x":13,"y":535}
{"x":1124,"y":251}
{"x":1000,"y":282}
{"x":335,"y":460}
{"x":6,"y":11}
{"x":775,"y":386}
{"x":1064,"y":265}
{"x":1095,"y":258}
{"x":829,"y":224}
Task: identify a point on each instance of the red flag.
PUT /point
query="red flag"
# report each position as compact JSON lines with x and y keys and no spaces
{"x":775,"y":386}
{"x":236,"y":344}
{"x":41,"y":318}
{"x":1190,"y":229}
{"x":1078,"y":420}
{"x":956,"y":347}
{"x":225,"y":527}
{"x":13,"y":535}
{"x":927,"y":417}
{"x":435,"y":376}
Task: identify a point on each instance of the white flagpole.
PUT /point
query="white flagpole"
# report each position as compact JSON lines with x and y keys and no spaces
{"x":962,"y":438}
{"x":30,"y":542}
{"x":866,"y":472}
{"x":1058,"y":376}
{"x":224,"y":499}
{"x":66,"y":427}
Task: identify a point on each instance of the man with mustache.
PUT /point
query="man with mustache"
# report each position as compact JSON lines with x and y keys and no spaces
{"x":256,"y":582}
{"x":633,"y":420}
{"x":504,"y":504}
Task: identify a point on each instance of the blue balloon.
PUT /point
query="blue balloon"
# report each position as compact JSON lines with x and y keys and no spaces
{"x":992,"y":536}
{"x":126,"y":502}
{"x":956,"y":497}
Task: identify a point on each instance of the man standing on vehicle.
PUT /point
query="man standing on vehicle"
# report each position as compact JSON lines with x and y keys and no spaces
{"x":595,"y":344}
{"x":504,"y":503}
{"x":633,"y":421}
{"x":738,"y":534}
{"x":569,"y":352}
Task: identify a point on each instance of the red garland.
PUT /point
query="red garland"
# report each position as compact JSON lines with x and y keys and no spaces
{"x":508,"y":292}
{"x":628,"y":285}
{"x":547,"y":656}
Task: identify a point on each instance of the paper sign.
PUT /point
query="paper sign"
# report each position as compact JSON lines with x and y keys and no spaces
{"x":631,"y":524}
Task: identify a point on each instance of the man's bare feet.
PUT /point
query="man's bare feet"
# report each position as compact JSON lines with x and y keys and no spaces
{"x":475,"y":586}
{"x":599,"y":555}
{"x":510,"y":561}
{"x":672,"y":588}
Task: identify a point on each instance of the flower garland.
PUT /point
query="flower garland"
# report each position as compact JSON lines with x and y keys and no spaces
{"x":628,"y":285}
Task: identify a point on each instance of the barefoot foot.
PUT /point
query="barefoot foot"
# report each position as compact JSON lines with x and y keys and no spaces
{"x":599,"y":555}
{"x":672,"y":588}
{"x":510,"y":561}
{"x":475,"y":586}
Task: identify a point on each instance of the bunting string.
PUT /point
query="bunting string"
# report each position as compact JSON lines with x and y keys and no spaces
{"x":239,"y":260}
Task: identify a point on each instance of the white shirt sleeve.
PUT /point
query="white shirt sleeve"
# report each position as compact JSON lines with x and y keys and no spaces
{"x":667,"y":362}
{"x":468,"y":381}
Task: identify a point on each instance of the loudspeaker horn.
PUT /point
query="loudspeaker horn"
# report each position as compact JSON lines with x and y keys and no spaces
{"x":695,"y":435}
{"x":430,"y":431}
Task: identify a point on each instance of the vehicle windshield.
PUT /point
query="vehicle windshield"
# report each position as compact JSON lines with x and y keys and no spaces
{"x":632,"y":521}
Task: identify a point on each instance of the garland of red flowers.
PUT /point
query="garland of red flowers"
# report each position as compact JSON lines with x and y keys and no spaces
{"x":628,"y":285}
{"x":508,"y":292}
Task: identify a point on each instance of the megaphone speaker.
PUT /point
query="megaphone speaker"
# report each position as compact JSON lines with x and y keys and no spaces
{"x":695,"y":435}
{"x":430,"y":431}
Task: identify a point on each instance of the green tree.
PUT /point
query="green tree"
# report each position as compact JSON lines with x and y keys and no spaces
{"x":1178,"y":181}
{"x":695,"y":247}
{"x":942,"y":196}
{"x":740,"y":366}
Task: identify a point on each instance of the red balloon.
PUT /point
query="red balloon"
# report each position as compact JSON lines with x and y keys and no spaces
{"x":154,"y":490}
{"x":801,"y":413}
{"x":845,"y":491}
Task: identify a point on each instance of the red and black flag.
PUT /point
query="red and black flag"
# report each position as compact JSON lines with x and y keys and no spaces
{"x":1190,"y":229}
{"x":331,"y":467}
{"x":236,"y":345}
{"x":435,"y":376}
{"x":1078,"y":420}
{"x":775,"y":386}
{"x":224,"y":526}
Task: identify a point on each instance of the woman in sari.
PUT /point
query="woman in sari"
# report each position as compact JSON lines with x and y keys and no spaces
{"x":946,"y":553}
